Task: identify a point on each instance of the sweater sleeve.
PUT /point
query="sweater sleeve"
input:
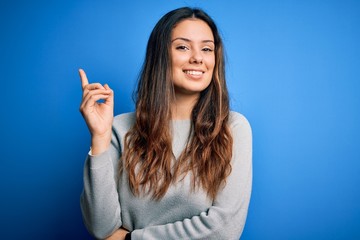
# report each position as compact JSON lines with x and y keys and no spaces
{"x":100,"y":200}
{"x":225,"y":219}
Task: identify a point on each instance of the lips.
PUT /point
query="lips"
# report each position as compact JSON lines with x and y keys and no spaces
{"x":194,"y":72}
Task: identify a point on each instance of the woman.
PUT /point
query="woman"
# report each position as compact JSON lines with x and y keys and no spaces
{"x":180,"y":166}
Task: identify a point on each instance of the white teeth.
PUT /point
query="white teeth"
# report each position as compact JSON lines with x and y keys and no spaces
{"x":197,"y":73}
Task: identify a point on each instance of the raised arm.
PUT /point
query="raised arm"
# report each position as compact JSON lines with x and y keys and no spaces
{"x":225,"y":219}
{"x":98,"y":116}
{"x":99,"y":171}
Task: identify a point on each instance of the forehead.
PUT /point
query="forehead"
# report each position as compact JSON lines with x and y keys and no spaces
{"x":193,"y":29}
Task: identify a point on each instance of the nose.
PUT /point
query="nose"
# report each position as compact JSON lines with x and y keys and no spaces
{"x":196,"y":57}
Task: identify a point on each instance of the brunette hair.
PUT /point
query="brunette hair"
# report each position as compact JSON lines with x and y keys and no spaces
{"x":148,"y":156}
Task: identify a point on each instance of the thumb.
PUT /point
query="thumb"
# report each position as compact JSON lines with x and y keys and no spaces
{"x":110,"y":99}
{"x":106,"y":86}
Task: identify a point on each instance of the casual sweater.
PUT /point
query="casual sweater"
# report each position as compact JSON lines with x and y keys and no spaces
{"x":107,"y":203}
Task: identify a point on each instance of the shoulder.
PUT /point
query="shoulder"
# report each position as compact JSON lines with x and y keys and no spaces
{"x":130,"y":116}
{"x":240,"y":127}
{"x":238,"y":120}
{"x":124,"y":121}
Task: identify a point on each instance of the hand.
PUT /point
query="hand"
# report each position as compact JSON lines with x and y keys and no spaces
{"x":118,"y":234}
{"x":98,"y":116}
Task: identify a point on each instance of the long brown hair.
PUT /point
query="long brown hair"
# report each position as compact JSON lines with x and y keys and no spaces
{"x":148,"y":155}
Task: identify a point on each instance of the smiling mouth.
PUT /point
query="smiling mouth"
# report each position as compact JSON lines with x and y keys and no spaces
{"x":193,"y":73}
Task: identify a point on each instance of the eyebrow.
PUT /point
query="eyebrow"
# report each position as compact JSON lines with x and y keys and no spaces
{"x":188,"y":40}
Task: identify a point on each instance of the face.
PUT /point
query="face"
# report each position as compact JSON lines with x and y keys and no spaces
{"x":192,"y":57}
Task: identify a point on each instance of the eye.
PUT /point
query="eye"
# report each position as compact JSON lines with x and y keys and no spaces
{"x":207,"y":49}
{"x":182,"y":48}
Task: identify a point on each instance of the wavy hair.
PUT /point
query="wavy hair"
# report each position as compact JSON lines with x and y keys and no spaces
{"x":148,"y":156}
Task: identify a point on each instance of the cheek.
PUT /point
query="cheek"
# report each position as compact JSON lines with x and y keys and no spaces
{"x":210,"y":62}
{"x":178,"y":60}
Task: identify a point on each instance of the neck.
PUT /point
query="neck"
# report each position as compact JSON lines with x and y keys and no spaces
{"x":183,"y":106}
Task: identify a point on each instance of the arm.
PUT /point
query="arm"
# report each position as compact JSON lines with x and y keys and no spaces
{"x":99,"y":200}
{"x":225,"y":219}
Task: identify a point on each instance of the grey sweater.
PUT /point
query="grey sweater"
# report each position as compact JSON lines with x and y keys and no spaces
{"x":107,"y":202}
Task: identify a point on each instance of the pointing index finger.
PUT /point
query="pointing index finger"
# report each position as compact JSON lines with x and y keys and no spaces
{"x":84,"y":80}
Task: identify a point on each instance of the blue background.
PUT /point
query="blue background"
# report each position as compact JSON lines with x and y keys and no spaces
{"x":293,"y":71}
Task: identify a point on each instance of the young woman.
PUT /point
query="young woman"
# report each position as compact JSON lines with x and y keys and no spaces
{"x":180,"y":167}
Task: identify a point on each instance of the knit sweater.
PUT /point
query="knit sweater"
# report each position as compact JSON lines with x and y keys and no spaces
{"x":107,"y":203}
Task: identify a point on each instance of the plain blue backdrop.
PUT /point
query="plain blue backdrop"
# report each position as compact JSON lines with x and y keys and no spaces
{"x":293,"y":70}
